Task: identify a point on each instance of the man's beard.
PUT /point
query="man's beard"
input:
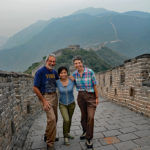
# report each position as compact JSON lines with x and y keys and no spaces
{"x":50,"y":67}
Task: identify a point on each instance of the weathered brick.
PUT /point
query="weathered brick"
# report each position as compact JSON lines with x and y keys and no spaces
{"x":128,"y":84}
{"x":14,"y":118}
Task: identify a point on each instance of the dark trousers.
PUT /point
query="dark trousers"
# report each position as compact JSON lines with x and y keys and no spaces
{"x":87,"y":104}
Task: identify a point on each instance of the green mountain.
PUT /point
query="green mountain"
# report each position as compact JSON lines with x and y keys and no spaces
{"x":111,"y":57}
{"x":91,"y":59}
{"x":100,"y":60}
{"x":126,"y":33}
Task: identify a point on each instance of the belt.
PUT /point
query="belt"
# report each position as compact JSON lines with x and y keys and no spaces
{"x":49,"y":93}
{"x":86,"y":92}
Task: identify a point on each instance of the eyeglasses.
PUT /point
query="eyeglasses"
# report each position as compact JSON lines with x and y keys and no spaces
{"x":51,"y":61}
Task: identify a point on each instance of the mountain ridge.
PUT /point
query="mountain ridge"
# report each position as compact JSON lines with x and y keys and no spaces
{"x":124,"y":33}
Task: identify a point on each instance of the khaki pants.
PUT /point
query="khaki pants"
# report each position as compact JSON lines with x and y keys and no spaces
{"x":87,"y":104}
{"x":51,"y":114}
{"x":67,"y":112}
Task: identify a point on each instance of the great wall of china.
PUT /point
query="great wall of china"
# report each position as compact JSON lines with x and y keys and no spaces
{"x":127,"y":85}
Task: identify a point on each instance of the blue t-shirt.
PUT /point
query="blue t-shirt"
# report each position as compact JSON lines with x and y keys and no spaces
{"x":66,"y":93}
{"x":45,"y":80}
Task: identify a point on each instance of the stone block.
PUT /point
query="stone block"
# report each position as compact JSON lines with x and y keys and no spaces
{"x":128,"y":145}
{"x":107,"y":147}
{"x":144,"y":141}
{"x":127,"y":137}
{"x":127,"y":130}
{"x":111,"y":133}
{"x":98,"y":135}
{"x":144,"y":133}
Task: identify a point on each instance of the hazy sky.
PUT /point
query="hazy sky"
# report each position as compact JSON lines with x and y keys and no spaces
{"x":18,"y":14}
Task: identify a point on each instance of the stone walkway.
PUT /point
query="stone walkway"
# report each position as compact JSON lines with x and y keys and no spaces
{"x":116,"y":128}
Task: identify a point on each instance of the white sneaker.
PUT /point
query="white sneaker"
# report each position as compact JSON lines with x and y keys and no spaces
{"x":66,"y":141}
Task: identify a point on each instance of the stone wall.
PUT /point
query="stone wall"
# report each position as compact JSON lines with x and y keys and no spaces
{"x":128,"y":84}
{"x":18,"y":108}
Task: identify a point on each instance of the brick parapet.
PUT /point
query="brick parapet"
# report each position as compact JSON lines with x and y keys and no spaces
{"x":128,"y":84}
{"x":18,"y":108}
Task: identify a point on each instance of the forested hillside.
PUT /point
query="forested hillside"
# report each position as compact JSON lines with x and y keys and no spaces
{"x":99,"y":60}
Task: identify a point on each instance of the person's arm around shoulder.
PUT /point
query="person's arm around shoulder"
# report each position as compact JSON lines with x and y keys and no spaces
{"x":46,"y":104}
{"x":71,"y":77}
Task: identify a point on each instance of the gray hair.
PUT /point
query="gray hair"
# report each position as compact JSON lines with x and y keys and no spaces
{"x":52,"y":55}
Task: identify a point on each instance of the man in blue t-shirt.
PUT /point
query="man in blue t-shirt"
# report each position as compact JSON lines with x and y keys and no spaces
{"x":45,"y":89}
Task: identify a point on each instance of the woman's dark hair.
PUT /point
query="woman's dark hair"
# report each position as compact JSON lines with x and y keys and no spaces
{"x":60,"y":69}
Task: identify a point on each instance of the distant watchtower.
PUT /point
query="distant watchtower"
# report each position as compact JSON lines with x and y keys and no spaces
{"x":74,"y":47}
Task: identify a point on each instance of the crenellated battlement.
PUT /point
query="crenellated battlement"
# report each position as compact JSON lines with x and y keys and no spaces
{"x":128,"y":84}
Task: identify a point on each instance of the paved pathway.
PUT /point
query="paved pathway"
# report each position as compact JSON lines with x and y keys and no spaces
{"x":116,"y":128}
